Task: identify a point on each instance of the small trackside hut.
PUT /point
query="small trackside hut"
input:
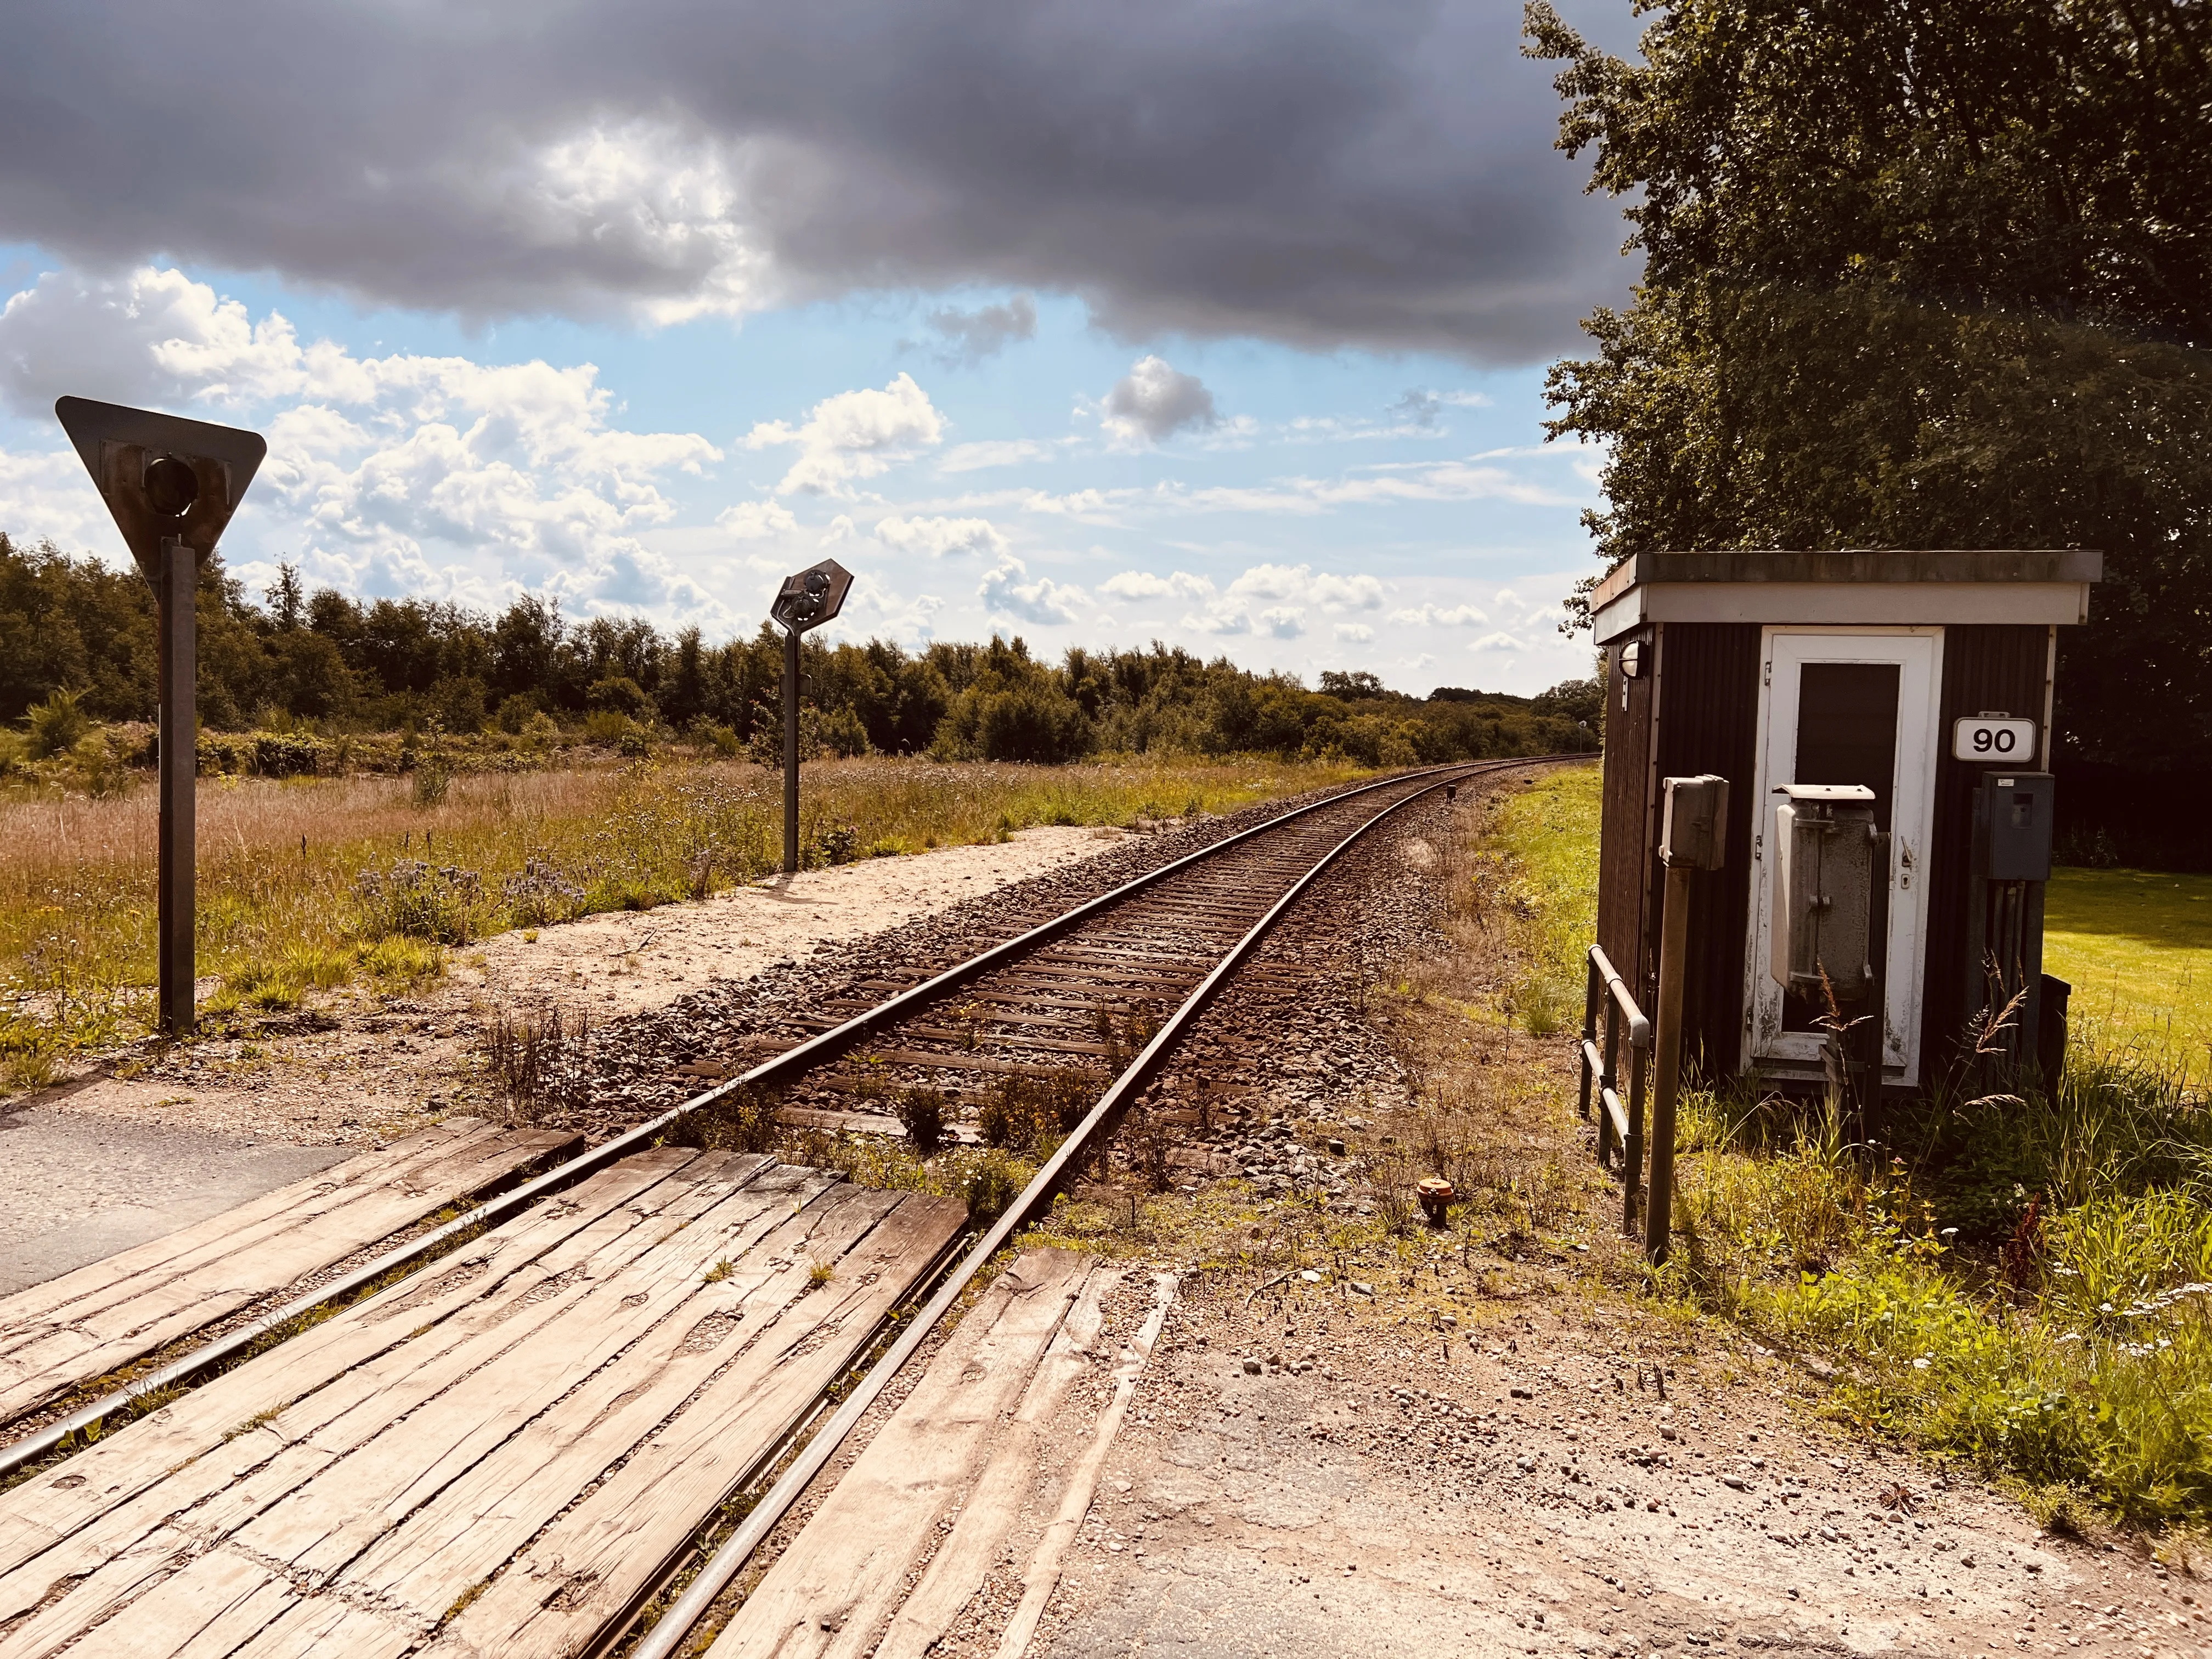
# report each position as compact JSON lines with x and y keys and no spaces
{"x":1896,"y":703}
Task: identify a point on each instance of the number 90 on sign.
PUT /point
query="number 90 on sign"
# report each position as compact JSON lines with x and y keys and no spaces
{"x":2007,"y":742}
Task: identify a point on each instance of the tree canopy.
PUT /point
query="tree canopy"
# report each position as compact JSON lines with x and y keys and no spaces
{"x":1919,"y":276}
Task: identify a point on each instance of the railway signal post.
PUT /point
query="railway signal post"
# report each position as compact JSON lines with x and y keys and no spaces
{"x":170,"y":485}
{"x":806,"y":600}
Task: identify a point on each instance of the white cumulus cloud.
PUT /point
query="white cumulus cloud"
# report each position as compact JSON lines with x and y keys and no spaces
{"x":755,"y":521}
{"x":1044,"y":601}
{"x":938,"y":537}
{"x":1154,"y":401}
{"x":1143,"y":584}
{"x":854,"y":434}
{"x":1354,"y":633}
{"x":1458,"y":615}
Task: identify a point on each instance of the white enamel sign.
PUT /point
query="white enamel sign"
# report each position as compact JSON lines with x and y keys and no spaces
{"x":1989,"y":738}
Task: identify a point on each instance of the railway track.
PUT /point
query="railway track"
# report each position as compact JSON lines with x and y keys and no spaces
{"x":1068,"y":1020}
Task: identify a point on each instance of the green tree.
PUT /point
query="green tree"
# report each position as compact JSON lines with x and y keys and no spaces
{"x":1932,"y":277}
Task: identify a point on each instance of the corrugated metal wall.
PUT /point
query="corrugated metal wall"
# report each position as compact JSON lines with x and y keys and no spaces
{"x":1710,"y":724}
{"x":1984,"y":668}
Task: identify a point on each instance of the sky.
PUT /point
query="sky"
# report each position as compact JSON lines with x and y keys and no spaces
{"x":1223,"y":325}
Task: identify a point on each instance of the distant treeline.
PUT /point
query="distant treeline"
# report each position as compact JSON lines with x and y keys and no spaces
{"x":343,"y":664}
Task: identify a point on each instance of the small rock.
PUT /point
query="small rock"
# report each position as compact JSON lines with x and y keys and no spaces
{"x":1251,"y":1368}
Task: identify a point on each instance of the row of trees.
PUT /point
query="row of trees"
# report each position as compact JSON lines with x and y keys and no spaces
{"x":383,"y":665}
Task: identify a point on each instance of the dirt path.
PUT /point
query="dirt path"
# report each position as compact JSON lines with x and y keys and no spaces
{"x":1524,"y":1495}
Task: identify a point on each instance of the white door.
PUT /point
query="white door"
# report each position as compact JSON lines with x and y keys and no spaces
{"x":1824,"y":707}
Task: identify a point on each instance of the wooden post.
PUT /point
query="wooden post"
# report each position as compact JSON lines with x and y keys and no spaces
{"x":178,"y":739}
{"x":1667,"y":1041}
{"x":791,"y":751}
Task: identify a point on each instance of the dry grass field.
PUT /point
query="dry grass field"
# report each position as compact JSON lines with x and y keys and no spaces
{"x":310,"y":883}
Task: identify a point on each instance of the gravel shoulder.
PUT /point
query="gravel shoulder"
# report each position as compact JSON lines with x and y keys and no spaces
{"x":357,"y":1069}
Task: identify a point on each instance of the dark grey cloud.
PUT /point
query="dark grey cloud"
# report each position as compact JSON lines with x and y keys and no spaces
{"x":1321,"y":174}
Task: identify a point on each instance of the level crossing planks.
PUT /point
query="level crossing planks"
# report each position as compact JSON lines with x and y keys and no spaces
{"x":582,"y":1385}
{"x":962,"y":1471}
{"x":74,"y":1329}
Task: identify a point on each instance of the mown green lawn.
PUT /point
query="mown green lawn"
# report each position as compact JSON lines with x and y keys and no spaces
{"x":2136,"y":946}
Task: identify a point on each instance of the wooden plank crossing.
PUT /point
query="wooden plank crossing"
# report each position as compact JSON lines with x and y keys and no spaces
{"x":499,"y":1456}
{"x":982,"y":1444}
{"x":76,"y":1328}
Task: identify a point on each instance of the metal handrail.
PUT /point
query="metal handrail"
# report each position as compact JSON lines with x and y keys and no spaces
{"x":1639,"y":1028}
{"x":1619,"y":1124}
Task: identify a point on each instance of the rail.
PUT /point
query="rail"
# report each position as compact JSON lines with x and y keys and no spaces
{"x":669,"y":1632}
{"x":426,"y":1247}
{"x":1619,"y":1126}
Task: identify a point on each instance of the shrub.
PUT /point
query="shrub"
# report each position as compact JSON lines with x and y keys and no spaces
{"x":1032,"y":1109}
{"x":56,"y":725}
{"x":609,"y":726}
{"x":620,"y":695}
{"x":540,"y":895}
{"x":745,"y":1120}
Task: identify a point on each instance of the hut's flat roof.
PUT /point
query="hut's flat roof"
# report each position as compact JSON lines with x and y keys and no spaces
{"x":1852,"y":587}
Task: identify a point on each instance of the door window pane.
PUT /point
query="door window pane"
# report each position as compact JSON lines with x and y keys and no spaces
{"x":1846,"y":733}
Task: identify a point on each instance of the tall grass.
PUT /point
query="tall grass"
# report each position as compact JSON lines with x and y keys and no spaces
{"x":308,"y":882}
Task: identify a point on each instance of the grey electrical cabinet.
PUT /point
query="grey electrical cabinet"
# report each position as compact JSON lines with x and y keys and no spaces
{"x":1693,"y":823}
{"x":2015,"y":818}
{"x":1825,"y":864}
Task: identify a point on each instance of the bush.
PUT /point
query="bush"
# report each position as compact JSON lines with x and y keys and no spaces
{"x":745,"y":1120}
{"x":620,"y":695}
{"x":540,"y":895}
{"x":56,"y":725}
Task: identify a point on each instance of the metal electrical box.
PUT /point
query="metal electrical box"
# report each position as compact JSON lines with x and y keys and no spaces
{"x":1693,"y":828}
{"x":1827,"y":862}
{"x":2015,"y":818}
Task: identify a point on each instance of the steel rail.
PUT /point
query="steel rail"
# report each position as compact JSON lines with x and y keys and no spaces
{"x":673,"y":1627}
{"x":29,"y":1449}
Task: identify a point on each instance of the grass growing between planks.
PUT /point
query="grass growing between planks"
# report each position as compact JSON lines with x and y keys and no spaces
{"x":2025,"y":1281}
{"x":310,"y":884}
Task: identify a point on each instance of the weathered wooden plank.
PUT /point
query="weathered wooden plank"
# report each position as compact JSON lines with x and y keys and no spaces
{"x":586,"y":1570}
{"x":1082,"y":1483}
{"x":283,"y":1455}
{"x":100,"y":1284}
{"x":831,"y":1591}
{"x":91,"y":1510}
{"x":54,"y":1337}
{"x":987,"y":1514}
{"x":460,"y":1541}
{"x":411,"y":1439}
